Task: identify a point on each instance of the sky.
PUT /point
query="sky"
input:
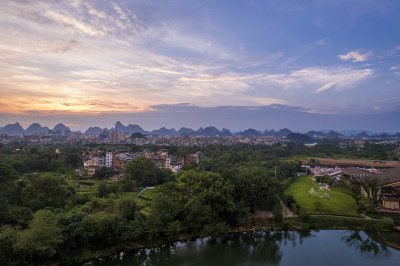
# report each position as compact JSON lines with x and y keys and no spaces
{"x":329,"y":63}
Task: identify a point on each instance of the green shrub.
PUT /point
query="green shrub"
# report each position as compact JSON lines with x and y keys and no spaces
{"x":341,"y":222}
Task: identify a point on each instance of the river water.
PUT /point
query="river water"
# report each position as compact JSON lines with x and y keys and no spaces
{"x":325,"y":247}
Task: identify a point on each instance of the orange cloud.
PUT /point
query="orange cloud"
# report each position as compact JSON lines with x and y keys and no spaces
{"x":71,"y":125}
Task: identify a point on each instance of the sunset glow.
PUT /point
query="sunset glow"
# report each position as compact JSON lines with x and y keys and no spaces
{"x":109,"y":57}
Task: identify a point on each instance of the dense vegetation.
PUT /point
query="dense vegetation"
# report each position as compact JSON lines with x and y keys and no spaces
{"x":50,"y":213}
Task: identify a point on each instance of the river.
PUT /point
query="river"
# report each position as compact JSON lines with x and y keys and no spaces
{"x":325,"y":247}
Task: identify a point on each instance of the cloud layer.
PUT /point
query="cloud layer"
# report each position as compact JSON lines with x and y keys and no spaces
{"x":103,"y":57}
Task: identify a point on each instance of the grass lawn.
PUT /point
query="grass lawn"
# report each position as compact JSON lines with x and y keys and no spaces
{"x":337,"y":202}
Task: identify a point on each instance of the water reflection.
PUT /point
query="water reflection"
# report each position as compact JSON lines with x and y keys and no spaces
{"x":259,"y":248}
{"x":370,"y":244}
{"x":327,"y":247}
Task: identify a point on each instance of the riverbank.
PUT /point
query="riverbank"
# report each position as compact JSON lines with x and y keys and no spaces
{"x":258,"y":247}
{"x":315,"y":222}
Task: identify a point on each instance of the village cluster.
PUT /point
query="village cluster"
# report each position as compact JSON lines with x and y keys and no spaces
{"x":96,"y":159}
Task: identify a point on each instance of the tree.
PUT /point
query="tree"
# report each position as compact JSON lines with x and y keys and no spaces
{"x":218,"y":230}
{"x":104,"y":173}
{"x":19,"y":215}
{"x":74,"y":160}
{"x":44,"y":191}
{"x":102,"y":190}
{"x":371,"y":187}
{"x":56,"y":164}
{"x":20,"y":167}
{"x":173,"y":229}
{"x":42,"y":237}
{"x":207,"y":189}
{"x":198,"y":215}
{"x":166,"y":208}
{"x":74,"y":237}
{"x":102,"y":229}
{"x":7,"y":240}
{"x":258,"y":188}
{"x":7,"y":174}
{"x":127,"y":208}
{"x":8,"y":189}
{"x":133,"y":230}
{"x":142,"y":172}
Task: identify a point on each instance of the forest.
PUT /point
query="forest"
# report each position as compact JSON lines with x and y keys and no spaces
{"x":49,"y":213}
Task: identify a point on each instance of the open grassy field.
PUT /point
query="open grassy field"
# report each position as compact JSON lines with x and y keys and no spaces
{"x":335,"y":202}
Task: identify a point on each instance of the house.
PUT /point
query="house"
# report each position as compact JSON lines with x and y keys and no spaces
{"x":97,"y":159}
{"x":176,"y":167}
{"x":122,"y":158}
{"x":354,"y":174}
{"x":192,"y":158}
{"x":389,"y":183}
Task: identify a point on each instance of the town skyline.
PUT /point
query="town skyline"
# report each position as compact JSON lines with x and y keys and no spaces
{"x":35,"y":128}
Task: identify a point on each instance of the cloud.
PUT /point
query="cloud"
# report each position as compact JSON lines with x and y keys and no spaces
{"x":99,"y":81}
{"x":321,"y":42}
{"x":325,"y":87}
{"x":58,"y":46}
{"x":266,"y":100}
{"x":70,"y":21}
{"x":76,"y":57}
{"x":71,"y":125}
{"x":320,"y":78}
{"x":395,"y":69}
{"x":355,"y":56}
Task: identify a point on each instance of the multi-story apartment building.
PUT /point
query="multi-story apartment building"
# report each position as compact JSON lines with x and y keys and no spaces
{"x":97,"y":159}
{"x":109,"y":159}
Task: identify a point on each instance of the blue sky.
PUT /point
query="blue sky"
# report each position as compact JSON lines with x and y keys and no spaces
{"x":80,"y":61}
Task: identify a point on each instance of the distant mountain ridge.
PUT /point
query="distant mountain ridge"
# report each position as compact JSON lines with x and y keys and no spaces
{"x":93,"y":131}
{"x":210,"y":131}
{"x":35,"y":128}
{"x":13,"y":129}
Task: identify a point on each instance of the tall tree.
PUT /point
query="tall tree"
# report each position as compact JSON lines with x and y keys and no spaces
{"x":208,"y":189}
{"x":42,"y":237}
{"x":45,"y":191}
{"x":259,"y":189}
{"x":142,"y":172}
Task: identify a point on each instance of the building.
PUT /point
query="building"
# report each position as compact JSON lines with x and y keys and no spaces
{"x":122,"y":158}
{"x":176,"y":167}
{"x":192,"y":158}
{"x":97,"y":159}
{"x":389,"y":183}
{"x":119,"y":159}
{"x":354,"y":174}
{"x":163,"y":153}
{"x":109,"y":159}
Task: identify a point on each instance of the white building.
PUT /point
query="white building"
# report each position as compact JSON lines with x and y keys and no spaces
{"x":109,"y":159}
{"x":97,"y":159}
{"x":176,"y":167}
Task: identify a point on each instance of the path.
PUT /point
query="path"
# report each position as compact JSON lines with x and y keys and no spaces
{"x":286,"y":212}
{"x":143,"y":190}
